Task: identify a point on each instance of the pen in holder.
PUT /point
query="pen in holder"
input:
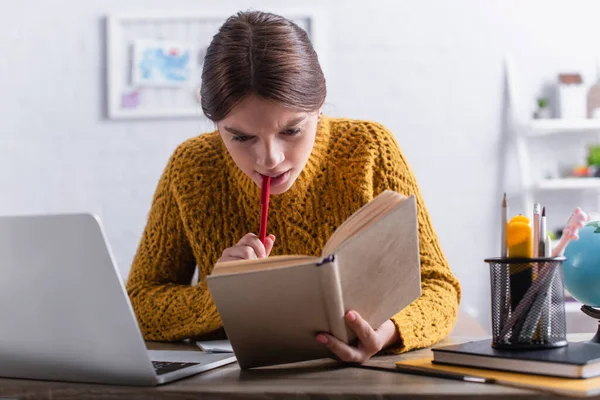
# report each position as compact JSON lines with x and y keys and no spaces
{"x":528,"y":303}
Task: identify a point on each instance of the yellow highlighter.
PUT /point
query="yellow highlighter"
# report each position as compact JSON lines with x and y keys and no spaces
{"x":518,"y":237}
{"x":520,"y":244}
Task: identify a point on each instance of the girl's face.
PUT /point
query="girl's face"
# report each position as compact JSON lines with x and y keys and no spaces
{"x":267,"y":139}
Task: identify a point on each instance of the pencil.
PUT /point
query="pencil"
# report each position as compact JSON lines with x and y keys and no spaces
{"x":536,"y":229}
{"x":421,"y":371}
{"x":504,"y":276}
{"x":503,"y":247}
{"x":543,"y":234}
{"x":265,"y":192}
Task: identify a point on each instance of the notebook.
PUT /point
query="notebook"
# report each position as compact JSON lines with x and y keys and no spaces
{"x":273,"y":308}
{"x":561,"y":386}
{"x":215,"y":346}
{"x":577,"y":360}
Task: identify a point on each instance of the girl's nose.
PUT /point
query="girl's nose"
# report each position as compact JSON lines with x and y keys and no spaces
{"x":270,"y":156}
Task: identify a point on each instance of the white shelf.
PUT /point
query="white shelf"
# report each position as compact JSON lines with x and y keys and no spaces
{"x":540,"y":127}
{"x":522,"y":134}
{"x":568,"y":184}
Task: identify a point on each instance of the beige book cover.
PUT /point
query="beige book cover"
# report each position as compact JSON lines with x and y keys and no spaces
{"x":272,"y":308}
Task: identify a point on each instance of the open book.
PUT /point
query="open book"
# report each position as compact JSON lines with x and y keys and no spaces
{"x":272,"y":308}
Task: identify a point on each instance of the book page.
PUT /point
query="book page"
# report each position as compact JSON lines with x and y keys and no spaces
{"x":380,"y":265}
{"x":362,"y":218}
{"x":232,"y":267}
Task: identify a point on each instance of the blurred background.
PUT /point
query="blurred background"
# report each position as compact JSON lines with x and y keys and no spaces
{"x":80,"y":132}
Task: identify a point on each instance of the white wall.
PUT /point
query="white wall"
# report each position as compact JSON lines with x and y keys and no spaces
{"x":431,"y":70}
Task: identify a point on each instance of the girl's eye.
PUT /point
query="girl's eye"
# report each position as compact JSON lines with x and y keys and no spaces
{"x":240,"y":138}
{"x":291,"y":132}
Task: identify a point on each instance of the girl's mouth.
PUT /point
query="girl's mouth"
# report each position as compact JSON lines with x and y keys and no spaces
{"x":279,"y":179}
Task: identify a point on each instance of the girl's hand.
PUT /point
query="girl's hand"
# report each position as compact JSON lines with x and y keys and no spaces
{"x":248,"y":248}
{"x":370,"y":341}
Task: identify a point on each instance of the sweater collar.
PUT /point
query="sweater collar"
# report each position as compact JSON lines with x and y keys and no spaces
{"x":311,"y":170}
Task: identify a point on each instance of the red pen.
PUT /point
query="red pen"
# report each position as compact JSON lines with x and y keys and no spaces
{"x":265,"y":192}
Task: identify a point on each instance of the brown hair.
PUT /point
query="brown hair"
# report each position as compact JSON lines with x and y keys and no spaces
{"x":263,"y":54}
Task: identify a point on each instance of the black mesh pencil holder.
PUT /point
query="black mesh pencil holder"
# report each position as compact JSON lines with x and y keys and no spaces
{"x":528,"y":303}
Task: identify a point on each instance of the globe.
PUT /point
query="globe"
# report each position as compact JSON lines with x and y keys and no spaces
{"x":582,"y":265}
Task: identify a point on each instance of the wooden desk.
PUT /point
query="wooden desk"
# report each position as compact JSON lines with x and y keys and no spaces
{"x":321,"y":379}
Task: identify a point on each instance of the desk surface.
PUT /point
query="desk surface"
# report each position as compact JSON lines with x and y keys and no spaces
{"x":322,"y":379}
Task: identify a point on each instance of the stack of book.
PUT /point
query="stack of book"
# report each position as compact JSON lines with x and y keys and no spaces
{"x":573,"y":370}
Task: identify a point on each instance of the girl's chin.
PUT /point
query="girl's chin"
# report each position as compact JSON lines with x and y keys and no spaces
{"x":280,"y":190}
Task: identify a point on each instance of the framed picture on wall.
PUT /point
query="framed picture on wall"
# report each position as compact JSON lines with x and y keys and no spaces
{"x":157,"y":63}
{"x":154,"y":61}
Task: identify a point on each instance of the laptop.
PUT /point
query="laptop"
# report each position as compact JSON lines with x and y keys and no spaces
{"x":65,"y":314}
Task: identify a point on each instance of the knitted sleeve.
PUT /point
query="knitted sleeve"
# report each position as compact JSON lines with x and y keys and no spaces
{"x":166,"y":305}
{"x":431,"y":317}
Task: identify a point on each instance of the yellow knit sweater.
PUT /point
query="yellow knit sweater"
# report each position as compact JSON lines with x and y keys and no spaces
{"x":204,"y":204}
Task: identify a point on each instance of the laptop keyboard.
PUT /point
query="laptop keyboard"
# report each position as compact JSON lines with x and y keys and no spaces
{"x":164,"y":367}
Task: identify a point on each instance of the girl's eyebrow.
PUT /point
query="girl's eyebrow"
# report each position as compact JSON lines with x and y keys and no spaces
{"x":291,"y":123}
{"x":295,"y":121}
{"x":236,"y":131}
